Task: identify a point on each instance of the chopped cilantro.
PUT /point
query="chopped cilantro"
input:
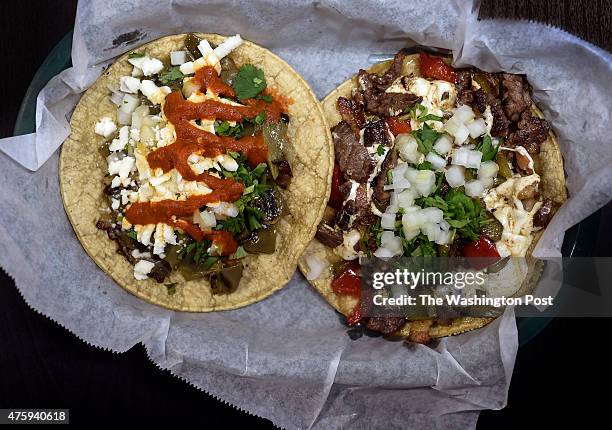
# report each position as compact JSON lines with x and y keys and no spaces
{"x":223,"y":128}
{"x":249,"y":82}
{"x":171,"y":288}
{"x":265,"y":97}
{"x":170,"y":75}
{"x":486,"y":147}
{"x":425,"y":165}
{"x":260,"y":118}
{"x":426,"y":137}
{"x":380,"y":150}
{"x":132,"y":234}
{"x":136,"y":55}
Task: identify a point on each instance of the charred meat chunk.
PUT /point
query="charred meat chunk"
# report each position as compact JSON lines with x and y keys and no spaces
{"x":328,"y":236}
{"x":543,"y":216}
{"x":352,"y":157}
{"x":500,"y":122}
{"x":380,"y":196}
{"x":355,"y":210}
{"x":390,"y":104}
{"x":385,"y":325}
{"x":375,"y":133}
{"x":463,"y":83}
{"x":160,"y":271}
{"x":352,"y":113}
{"x":482,"y":99}
{"x":284,"y":173}
{"x":516,"y":95}
{"x":531,"y":132}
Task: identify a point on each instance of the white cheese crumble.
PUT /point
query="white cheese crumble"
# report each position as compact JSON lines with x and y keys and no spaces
{"x":105,"y":127}
{"x":142,"y":269}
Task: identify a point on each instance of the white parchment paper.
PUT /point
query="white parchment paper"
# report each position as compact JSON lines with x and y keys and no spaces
{"x":288,"y":358}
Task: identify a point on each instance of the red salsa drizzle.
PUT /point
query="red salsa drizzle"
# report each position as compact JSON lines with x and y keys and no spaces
{"x":193,"y":140}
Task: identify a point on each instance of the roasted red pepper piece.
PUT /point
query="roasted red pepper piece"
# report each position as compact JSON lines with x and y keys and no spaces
{"x":483,"y":251}
{"x":398,"y":126}
{"x":436,"y":68}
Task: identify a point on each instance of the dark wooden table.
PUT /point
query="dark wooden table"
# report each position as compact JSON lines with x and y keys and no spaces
{"x":43,"y":365}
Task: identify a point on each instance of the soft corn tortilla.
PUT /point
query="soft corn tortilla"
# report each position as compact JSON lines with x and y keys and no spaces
{"x":552,"y":186}
{"x":310,"y":155}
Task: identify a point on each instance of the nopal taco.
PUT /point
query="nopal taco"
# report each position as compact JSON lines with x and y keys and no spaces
{"x":431,"y":161}
{"x":196,"y":171}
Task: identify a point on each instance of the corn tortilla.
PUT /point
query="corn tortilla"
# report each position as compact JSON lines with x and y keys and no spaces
{"x":552,"y":186}
{"x":310,"y":154}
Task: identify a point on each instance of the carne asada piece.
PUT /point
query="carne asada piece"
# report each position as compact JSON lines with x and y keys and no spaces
{"x":351,"y":113}
{"x":516,"y":96}
{"x":352,"y":157}
{"x":381,"y":197}
{"x":385,"y":325}
{"x":543,"y":216}
{"x":482,"y":99}
{"x":375,"y":133}
{"x":532,"y":131}
{"x":390,"y":104}
{"x":356,"y":208}
{"x":328,"y":236}
{"x":463,"y":84}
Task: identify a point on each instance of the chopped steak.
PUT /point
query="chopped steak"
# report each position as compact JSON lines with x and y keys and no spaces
{"x":352,"y":113}
{"x":516,"y":95}
{"x":390,"y":104}
{"x":328,"y":236}
{"x":385,"y":325}
{"x":379,"y":83}
{"x":284,"y":173}
{"x":463,"y":83}
{"x":500,"y":122}
{"x":160,"y":271}
{"x":375,"y":133}
{"x":380,"y":196}
{"x":354,"y":211}
{"x":543,"y":216}
{"x":532,"y":131}
{"x":352,"y":157}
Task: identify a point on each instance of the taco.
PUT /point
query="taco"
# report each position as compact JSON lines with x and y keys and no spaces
{"x":432,"y":161}
{"x":196,"y":171}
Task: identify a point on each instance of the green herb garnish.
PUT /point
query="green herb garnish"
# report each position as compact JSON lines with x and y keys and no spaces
{"x":136,"y":55}
{"x":486,"y":147}
{"x":380,"y":150}
{"x":170,"y":75}
{"x":223,"y":128}
{"x":249,"y":82}
{"x":426,"y":137}
{"x":171,"y":288}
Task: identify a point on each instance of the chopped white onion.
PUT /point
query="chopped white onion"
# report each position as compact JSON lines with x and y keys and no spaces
{"x":316,"y":266}
{"x":124,"y":118}
{"x":407,"y":147}
{"x":457,"y":129}
{"x":138,"y":115}
{"x":178,"y":57}
{"x":474,"y":188}
{"x":424,"y":182}
{"x":129,"y":103}
{"x":443,"y":145}
{"x":455,"y":176}
{"x":478,"y":127}
{"x":464,"y":113}
{"x":387,"y":221}
{"x":436,"y":161}
{"x":228,"y":46}
{"x":467,"y":158}
{"x":488,"y":169}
